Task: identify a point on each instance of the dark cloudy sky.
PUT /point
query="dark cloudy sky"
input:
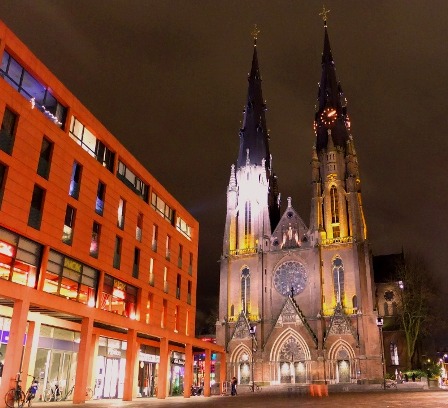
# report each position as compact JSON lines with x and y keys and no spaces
{"x":169,"y":80}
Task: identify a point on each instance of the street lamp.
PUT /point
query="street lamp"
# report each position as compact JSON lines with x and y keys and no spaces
{"x":252,"y":331}
{"x":379,"y":323}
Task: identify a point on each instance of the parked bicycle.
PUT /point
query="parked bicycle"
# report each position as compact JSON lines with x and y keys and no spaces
{"x":32,"y":390}
{"x":52,"y":393}
{"x":257,"y":388}
{"x":89,"y":393}
{"x":15,"y":397}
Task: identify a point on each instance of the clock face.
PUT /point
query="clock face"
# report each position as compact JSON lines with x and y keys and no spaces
{"x":290,"y":278}
{"x":328,"y":116}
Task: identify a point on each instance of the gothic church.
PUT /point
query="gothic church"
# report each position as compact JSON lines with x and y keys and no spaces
{"x":296,"y":302}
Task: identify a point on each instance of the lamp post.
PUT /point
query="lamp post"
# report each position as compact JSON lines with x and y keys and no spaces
{"x":252,"y":331}
{"x":379,"y":323}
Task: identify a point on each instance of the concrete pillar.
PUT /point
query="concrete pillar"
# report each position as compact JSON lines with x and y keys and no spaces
{"x":188,"y":375}
{"x":14,"y":349}
{"x":222,"y":370}
{"x":43,"y":268}
{"x":29,"y":356}
{"x":84,"y":360}
{"x":163,"y":368}
{"x":208,"y":363}
{"x":131,"y":362}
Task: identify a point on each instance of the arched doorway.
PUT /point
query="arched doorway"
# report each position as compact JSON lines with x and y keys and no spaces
{"x":342,"y":362}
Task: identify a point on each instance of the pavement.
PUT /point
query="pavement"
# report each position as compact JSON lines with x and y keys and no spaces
{"x":420,"y":397}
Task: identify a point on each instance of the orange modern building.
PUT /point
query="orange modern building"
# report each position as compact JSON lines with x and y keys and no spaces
{"x":98,"y":262}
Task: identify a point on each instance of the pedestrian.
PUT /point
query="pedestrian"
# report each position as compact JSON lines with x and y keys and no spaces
{"x":413,"y":377}
{"x":406,"y":378}
{"x":233,"y":386}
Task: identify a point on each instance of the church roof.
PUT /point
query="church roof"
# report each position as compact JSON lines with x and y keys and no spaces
{"x":254,"y":140}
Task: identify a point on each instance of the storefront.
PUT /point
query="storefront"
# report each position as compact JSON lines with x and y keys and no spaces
{"x":148,"y":366}
{"x":177,"y":372}
{"x":110,"y":368}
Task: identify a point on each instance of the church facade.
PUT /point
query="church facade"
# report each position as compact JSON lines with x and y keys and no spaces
{"x":296,"y":301}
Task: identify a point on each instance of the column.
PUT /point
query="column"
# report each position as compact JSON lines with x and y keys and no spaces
{"x":43,"y":268}
{"x":84,"y":360}
{"x":208,"y":363}
{"x":222,"y":370}
{"x":29,"y":356}
{"x":188,"y":376}
{"x":14,"y":349}
{"x":131,"y":357}
{"x":163,"y":368}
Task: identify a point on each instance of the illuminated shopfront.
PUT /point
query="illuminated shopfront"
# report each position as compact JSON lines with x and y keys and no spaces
{"x":199,"y":369}
{"x":148,"y":368}
{"x":177,"y":373}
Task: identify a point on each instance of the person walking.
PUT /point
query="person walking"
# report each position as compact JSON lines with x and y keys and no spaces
{"x":233,"y":386}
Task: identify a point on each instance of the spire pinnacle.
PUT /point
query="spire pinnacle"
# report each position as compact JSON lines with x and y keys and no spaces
{"x":323,"y":14}
{"x":254,"y":33}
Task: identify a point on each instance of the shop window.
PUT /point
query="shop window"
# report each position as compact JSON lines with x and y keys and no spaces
{"x":189,"y":293}
{"x":165,"y":279}
{"x":40,"y":96}
{"x":155,"y":236}
{"x":100,"y":194}
{"x":139,"y":227}
{"x":67,"y":233}
{"x":3,"y":175}
{"x":121,"y":213}
{"x":70,"y":279}
{"x":179,"y":258}
{"x":46,"y":150}
{"x":117,"y":252}
{"x":36,"y":208}
{"x":178,"y":285}
{"x":151,"y":272}
{"x":168,"y":248}
{"x":75,"y":181}
{"x":7,"y":131}
{"x":118,"y":297}
{"x":95,"y":241}
{"x":136,"y":263}
{"x":19,"y":259}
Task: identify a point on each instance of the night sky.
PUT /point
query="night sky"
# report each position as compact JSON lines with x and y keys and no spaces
{"x":169,"y":80}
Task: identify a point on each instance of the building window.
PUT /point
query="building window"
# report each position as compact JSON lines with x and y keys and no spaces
{"x":121,"y":213}
{"x":75,"y":181}
{"x":155,"y":236}
{"x":179,"y":258}
{"x":165,"y":279}
{"x":117,"y":252}
{"x":245,"y":291}
{"x":118,"y":297}
{"x":248,"y":223}
{"x":132,"y":181}
{"x":394,"y":354}
{"x":176,"y":319}
{"x":100,"y":194}
{"x":190,"y":265}
{"x":162,"y":208}
{"x":3,"y":175}
{"x":8,"y":131}
{"x":334,"y":206}
{"x":70,"y":279}
{"x":149,"y":307}
{"x":19,"y":259}
{"x":183,"y":227}
{"x":39,"y":95}
{"x":36,"y":208}
{"x":168,"y":248}
{"x":135,"y":266}
{"x":82,"y":136}
{"x":139,"y":227}
{"x":95,"y":241}
{"x":46,"y":150}
{"x":189,"y":293}
{"x":67,"y":233}
{"x":178,"y":285}
{"x":187,"y":319}
{"x":164,"y":313}
{"x":338,"y":280}
{"x":151,"y":271}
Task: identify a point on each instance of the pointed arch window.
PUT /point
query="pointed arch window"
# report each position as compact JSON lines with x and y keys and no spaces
{"x":245,"y":291}
{"x":338,"y":280}
{"x":394,"y":354}
{"x":248,"y":223}
{"x":334,"y":202}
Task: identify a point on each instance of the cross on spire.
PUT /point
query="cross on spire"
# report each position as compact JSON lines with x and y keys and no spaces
{"x":254,"y":33}
{"x":323,"y":14}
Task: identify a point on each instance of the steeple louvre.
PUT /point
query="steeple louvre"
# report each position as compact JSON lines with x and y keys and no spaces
{"x":253,"y":134}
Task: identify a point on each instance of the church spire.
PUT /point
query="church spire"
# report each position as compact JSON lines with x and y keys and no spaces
{"x":254,"y":140}
{"x":331,"y":109}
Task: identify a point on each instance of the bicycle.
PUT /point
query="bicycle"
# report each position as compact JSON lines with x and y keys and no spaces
{"x":15,"y":397}
{"x":257,"y":388}
{"x":389,"y":384}
{"x":89,"y":393}
{"x":32,"y":390}
{"x":52,"y":393}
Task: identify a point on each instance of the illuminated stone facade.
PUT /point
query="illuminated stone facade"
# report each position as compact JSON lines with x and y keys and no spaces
{"x":296,"y":301}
